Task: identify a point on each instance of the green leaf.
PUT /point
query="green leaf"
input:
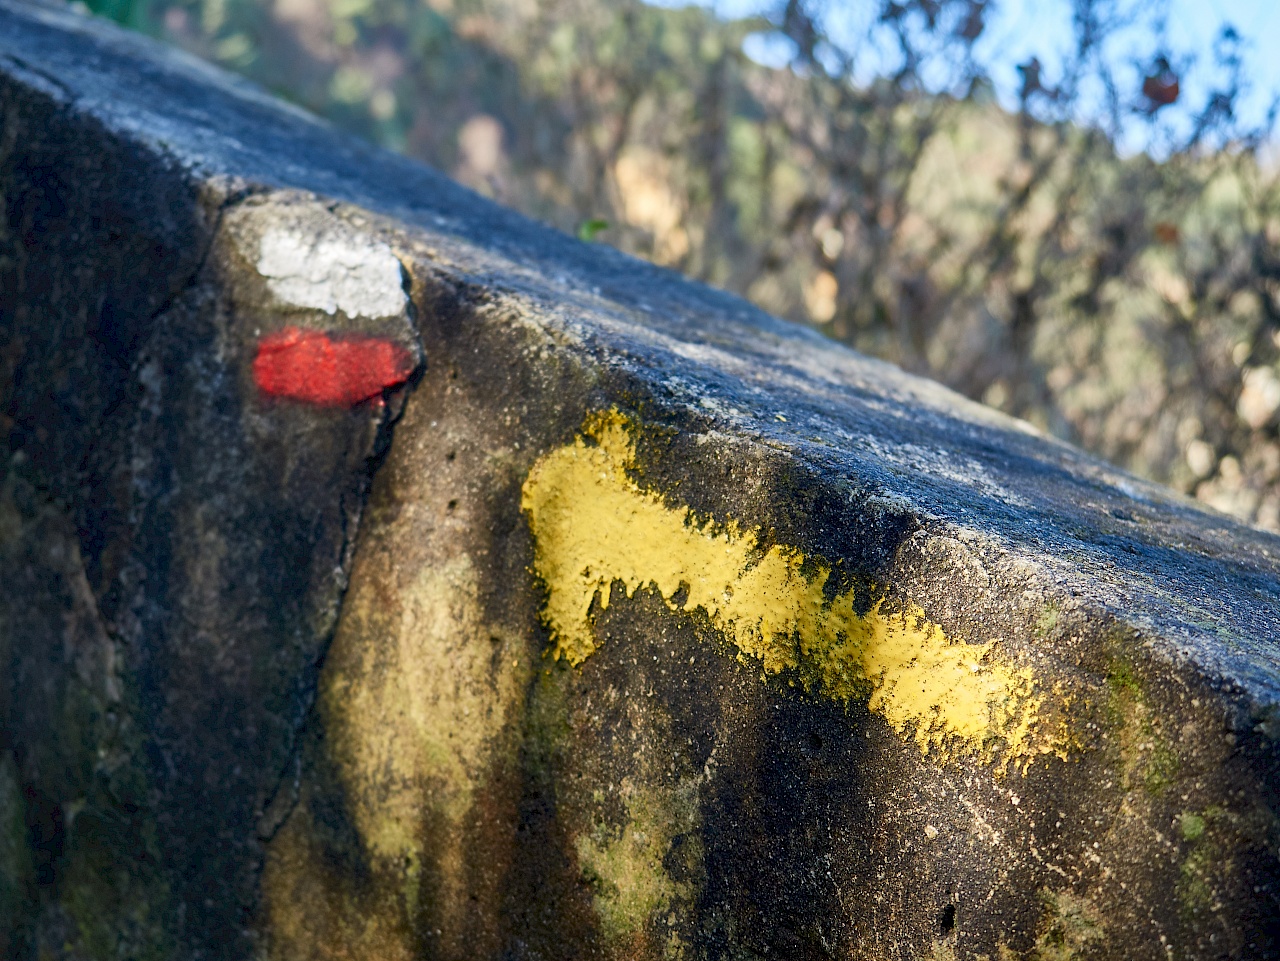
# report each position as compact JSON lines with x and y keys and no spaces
{"x":588,"y":229}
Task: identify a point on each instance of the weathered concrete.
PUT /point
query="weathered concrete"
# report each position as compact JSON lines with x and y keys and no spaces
{"x":635,"y":624}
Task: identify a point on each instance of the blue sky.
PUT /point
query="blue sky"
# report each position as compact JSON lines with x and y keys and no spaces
{"x":1019,"y":29}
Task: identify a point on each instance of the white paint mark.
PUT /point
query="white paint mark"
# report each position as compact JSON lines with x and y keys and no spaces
{"x":331,"y":273}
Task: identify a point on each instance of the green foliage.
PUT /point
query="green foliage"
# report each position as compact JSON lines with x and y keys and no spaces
{"x":588,"y":229}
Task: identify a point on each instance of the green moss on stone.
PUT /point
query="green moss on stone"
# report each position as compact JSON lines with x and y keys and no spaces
{"x":1195,"y":893}
{"x":1205,"y":859}
{"x":1069,"y":925}
{"x":629,"y":869}
{"x":1147,"y":759}
{"x":1162,"y":768}
{"x":1123,"y":680}
{"x":1048,"y":620}
{"x":1191,"y":826}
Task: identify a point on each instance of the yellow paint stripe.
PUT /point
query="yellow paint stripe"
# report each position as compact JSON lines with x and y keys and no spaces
{"x":594,"y":526}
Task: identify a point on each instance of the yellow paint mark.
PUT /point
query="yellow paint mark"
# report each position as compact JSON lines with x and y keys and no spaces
{"x":594,"y":525}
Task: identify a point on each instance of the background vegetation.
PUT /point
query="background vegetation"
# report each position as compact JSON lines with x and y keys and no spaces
{"x":1128,"y":304}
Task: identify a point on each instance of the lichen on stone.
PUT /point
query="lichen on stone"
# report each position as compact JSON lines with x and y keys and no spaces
{"x":627,"y":868}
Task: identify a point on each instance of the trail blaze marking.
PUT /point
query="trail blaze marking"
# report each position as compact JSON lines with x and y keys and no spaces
{"x":594,"y":525}
{"x":310,"y":366}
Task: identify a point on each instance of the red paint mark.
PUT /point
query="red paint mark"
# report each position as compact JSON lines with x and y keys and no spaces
{"x":310,"y":366}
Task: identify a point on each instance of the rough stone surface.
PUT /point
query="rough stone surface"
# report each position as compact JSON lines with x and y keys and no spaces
{"x":636,"y":624}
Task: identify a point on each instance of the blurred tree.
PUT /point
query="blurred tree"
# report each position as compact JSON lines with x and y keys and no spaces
{"x":1126,"y":303}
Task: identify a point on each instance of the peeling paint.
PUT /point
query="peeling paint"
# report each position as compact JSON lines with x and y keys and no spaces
{"x":594,"y":525}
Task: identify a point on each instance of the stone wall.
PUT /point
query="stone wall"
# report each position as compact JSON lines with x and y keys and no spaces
{"x":391,"y":577}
